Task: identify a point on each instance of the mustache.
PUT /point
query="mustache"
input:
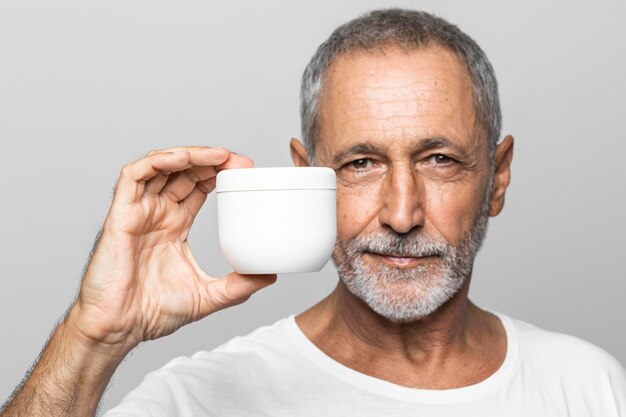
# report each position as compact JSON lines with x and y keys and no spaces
{"x":412,"y":244}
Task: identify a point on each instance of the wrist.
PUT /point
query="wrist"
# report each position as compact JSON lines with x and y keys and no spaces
{"x":108,"y":350}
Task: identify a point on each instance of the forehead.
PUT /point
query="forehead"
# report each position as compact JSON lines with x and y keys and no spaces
{"x":398,"y":95}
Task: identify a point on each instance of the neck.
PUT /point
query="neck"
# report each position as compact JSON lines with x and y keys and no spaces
{"x":348,"y":330}
{"x":445,"y":328}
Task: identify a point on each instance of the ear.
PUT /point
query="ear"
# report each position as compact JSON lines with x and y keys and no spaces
{"x":299,"y":155}
{"x":502,"y":175}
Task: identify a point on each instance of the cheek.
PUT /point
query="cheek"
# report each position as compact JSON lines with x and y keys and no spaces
{"x":356,"y":209}
{"x":451,"y":210}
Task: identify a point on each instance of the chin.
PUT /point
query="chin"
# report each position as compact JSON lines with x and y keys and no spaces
{"x":402,"y":319}
{"x":403,"y":300}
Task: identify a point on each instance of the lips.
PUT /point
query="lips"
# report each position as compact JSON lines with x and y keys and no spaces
{"x":401,"y":260}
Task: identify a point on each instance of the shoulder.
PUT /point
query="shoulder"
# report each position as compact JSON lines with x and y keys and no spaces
{"x":571,"y":371}
{"x":207,"y":381}
{"x":263,"y":346}
{"x":550,"y":349}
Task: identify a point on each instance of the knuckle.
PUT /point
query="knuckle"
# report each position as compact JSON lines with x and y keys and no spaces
{"x":170,"y":195}
{"x":157,"y":152}
{"x":228,"y":289}
{"x":154,"y":156}
{"x":125,"y":171}
{"x":203,"y":188}
{"x":192,"y":175}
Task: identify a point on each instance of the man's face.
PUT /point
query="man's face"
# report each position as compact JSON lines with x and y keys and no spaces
{"x":400,"y":130}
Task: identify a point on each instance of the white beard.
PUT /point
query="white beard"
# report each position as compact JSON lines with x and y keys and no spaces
{"x":406,"y":294}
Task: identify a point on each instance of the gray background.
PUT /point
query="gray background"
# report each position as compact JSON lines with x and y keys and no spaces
{"x":86,"y":87}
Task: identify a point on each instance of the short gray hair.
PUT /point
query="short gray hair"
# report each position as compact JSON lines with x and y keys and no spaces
{"x":407,"y":29}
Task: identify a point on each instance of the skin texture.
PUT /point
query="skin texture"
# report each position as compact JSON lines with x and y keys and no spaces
{"x":141,"y":283}
{"x":378,"y":111}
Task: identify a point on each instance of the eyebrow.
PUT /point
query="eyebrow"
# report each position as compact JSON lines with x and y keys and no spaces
{"x":421,"y":146}
{"x":359,"y":148}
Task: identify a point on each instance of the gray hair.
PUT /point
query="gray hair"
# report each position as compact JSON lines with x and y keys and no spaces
{"x":407,"y":29}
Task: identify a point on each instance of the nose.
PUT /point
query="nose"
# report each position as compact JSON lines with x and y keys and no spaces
{"x":402,"y":201}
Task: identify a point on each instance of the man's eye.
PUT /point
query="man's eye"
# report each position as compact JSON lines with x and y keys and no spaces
{"x":439,"y":159}
{"x":360,"y":164}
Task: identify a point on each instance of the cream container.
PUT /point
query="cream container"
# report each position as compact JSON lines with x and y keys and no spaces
{"x":277,"y":220}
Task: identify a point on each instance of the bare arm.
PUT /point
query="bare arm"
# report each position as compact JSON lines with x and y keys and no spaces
{"x":142,"y":282}
{"x":68,"y":379}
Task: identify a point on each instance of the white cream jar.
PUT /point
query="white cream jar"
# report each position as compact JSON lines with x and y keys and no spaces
{"x":277,"y":220}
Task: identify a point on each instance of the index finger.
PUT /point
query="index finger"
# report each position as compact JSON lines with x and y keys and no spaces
{"x":131,"y":183}
{"x":198,"y":155}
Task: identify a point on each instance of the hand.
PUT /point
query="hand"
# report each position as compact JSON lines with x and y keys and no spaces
{"x":143,"y":281}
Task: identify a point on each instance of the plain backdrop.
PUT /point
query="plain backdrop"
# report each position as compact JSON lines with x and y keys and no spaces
{"x":86,"y":87}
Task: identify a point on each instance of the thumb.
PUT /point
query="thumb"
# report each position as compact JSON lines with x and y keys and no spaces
{"x":235,"y":288}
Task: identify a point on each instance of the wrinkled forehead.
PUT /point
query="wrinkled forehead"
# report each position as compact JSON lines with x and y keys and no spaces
{"x":396,"y":93}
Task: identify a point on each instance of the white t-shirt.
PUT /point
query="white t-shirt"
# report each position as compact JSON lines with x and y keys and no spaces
{"x":277,"y":371}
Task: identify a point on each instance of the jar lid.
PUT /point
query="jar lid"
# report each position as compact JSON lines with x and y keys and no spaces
{"x":283,"y":178}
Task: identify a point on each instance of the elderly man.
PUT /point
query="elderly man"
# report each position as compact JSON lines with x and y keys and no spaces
{"x":404,"y":107}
